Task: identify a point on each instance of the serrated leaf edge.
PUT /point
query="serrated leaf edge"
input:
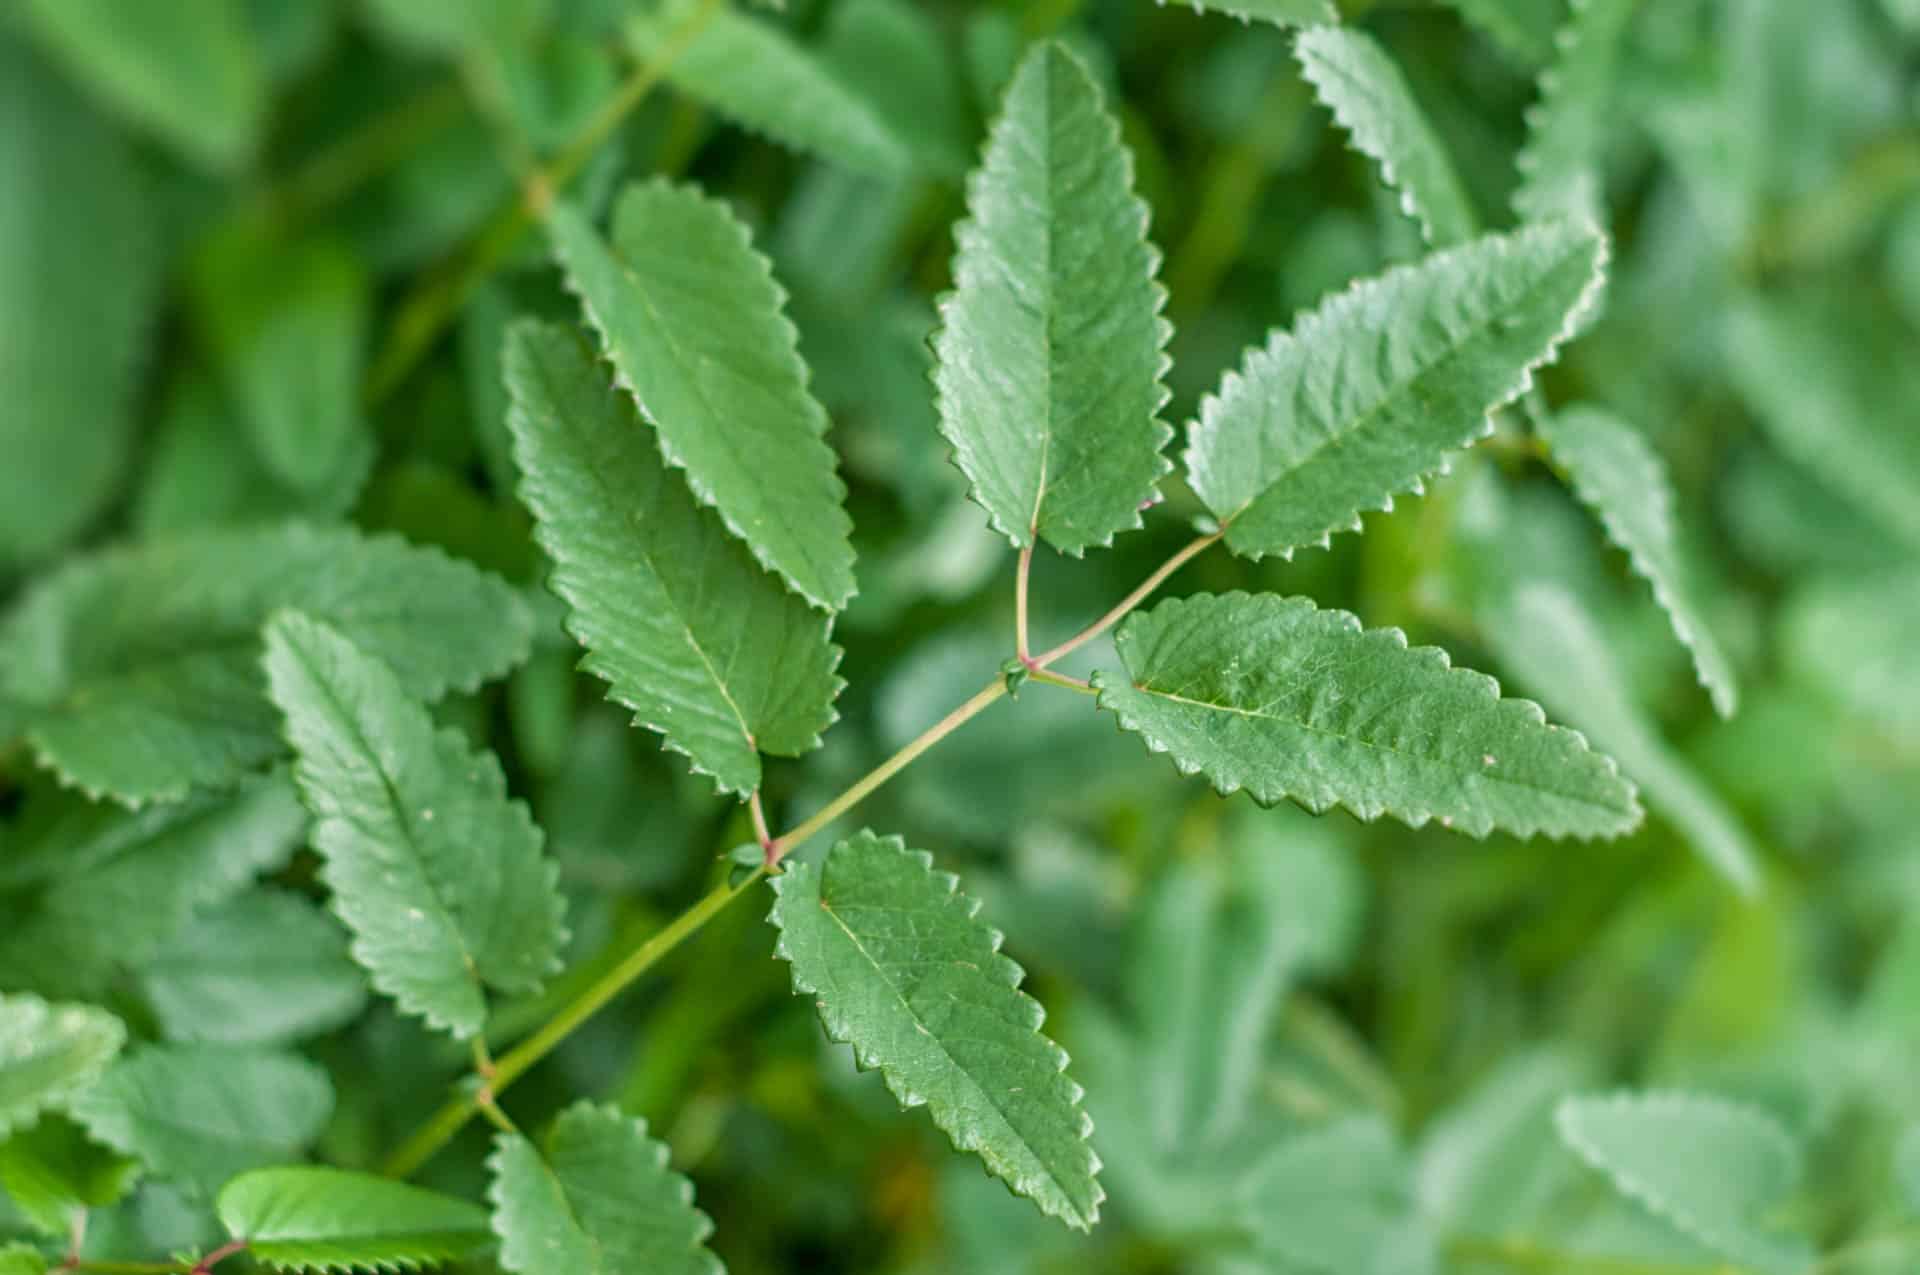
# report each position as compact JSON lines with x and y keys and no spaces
{"x":1547,"y":98}
{"x":1357,"y":138}
{"x":1683,"y":1219}
{"x":1009,"y":970}
{"x":1227,"y":9}
{"x":1443,"y":663}
{"x":790,"y":345}
{"x":967,"y":230}
{"x":1330,"y":307}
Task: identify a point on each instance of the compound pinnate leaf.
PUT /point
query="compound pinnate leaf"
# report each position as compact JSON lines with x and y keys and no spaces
{"x":751,"y":72}
{"x":47,"y":1052}
{"x":1368,"y":394}
{"x":141,"y":664}
{"x":689,"y":632}
{"x":315,"y":1219}
{"x":1285,"y":13}
{"x":1052,"y":347}
{"x":692,"y":319}
{"x":80,"y":267}
{"x":1706,"y":1166}
{"x":1559,"y":164}
{"x":600,"y":1201}
{"x":1275,"y":696}
{"x":265,"y":967}
{"x":1548,"y":642}
{"x":1623,"y":480}
{"x":197,"y":1115}
{"x":1357,"y":80}
{"x":437,"y":873}
{"x":905,"y":972}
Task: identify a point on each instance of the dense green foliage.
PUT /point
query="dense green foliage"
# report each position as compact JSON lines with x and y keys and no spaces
{"x":577,"y":574}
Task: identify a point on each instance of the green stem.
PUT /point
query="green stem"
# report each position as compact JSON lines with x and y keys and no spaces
{"x":1128,"y":603}
{"x":446,"y":1122}
{"x":1052,"y":678}
{"x":424,"y":314}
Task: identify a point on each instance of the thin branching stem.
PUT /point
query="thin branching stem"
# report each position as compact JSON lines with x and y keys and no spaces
{"x":1020,"y":605}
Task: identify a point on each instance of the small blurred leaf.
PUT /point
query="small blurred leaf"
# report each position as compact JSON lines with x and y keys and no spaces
{"x":1623,"y":480}
{"x":53,"y":1173}
{"x":894,"y":55}
{"x":1907,"y":1166}
{"x":1363,"y":87}
{"x":1491,"y":1162}
{"x":48,"y":1052}
{"x":1708,"y":1167}
{"x":331,"y":1220}
{"x":1279,"y":12}
{"x":198,"y":1115}
{"x":435,"y":870}
{"x":262,"y":968}
{"x":142,"y":662}
{"x":1856,"y":638}
{"x":1525,"y":29}
{"x":1559,"y":165}
{"x":186,"y":70}
{"x":752,"y":72}
{"x":600,"y":1201}
{"x":454,"y":26}
{"x":80,"y":265}
{"x":1338,"y":1201}
{"x":22,"y":1259}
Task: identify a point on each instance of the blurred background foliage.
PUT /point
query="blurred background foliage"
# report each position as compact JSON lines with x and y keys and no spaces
{"x":256,"y":258}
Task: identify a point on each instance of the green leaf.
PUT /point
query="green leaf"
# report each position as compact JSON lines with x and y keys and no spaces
{"x":263,"y":968}
{"x":1854,"y":637}
{"x":1824,"y":382}
{"x":1275,"y":696}
{"x":753,"y":73}
{"x":688,"y":631}
{"x":1052,"y":347}
{"x":47,"y":1052}
{"x":1704,"y":1165}
{"x":454,"y":26}
{"x":1491,"y":1163}
{"x":199,"y":1114}
{"x":80,"y":267}
{"x":1369,"y":393}
{"x":1356,"y":79}
{"x":1338,"y":1201}
{"x":1907,"y":1166}
{"x":897,"y":57}
{"x":104,"y":890}
{"x":1279,"y":12}
{"x":602,"y":1201}
{"x":1559,"y":165}
{"x":438,"y":874}
{"x":143,"y":661}
{"x":53,"y":1173}
{"x":691,"y":317}
{"x":22,"y":1259}
{"x":287,"y":325}
{"x":903,"y":971}
{"x":1544,"y":636}
{"x":316,"y":1219}
{"x":1524,"y":28}
{"x":1623,"y":480}
{"x":186,"y":71}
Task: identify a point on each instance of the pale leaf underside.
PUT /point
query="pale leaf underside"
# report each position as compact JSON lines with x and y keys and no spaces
{"x":601,"y":1201}
{"x":904,"y":971}
{"x":1367,"y":395}
{"x":1709,"y":1167}
{"x":692,"y":320}
{"x":1052,"y":347}
{"x":1623,"y":480}
{"x":438,"y":874}
{"x":1286,"y":701}
{"x":1357,"y":80}
{"x":688,"y":631}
